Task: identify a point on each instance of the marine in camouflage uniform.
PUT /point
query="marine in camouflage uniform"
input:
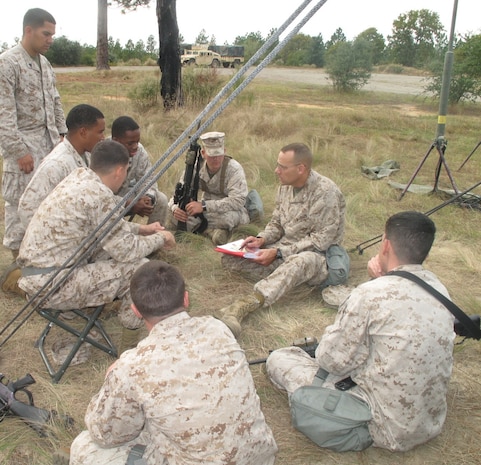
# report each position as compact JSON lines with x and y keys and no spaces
{"x":140,"y":164}
{"x":63,"y":220}
{"x":308,"y":218}
{"x":185,"y":391}
{"x":224,"y":191}
{"x":154,"y":203}
{"x":86,"y":128}
{"x":32,"y":117}
{"x":395,"y":340}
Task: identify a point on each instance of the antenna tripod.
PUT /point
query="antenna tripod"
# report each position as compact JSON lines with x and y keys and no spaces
{"x":440,"y":142}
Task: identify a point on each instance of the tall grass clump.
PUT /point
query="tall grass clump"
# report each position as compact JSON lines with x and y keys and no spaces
{"x":145,"y":95}
{"x":200,"y":85}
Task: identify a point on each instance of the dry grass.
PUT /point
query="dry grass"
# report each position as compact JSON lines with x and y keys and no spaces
{"x":344,"y":133}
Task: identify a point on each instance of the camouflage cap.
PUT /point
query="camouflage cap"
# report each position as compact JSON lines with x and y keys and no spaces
{"x":213,"y":143}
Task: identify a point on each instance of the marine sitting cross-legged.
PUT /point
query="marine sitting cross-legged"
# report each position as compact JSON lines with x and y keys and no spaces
{"x":183,"y":396}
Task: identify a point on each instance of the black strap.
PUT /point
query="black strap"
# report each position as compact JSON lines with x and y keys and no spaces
{"x":451,"y":306}
{"x":135,"y":455}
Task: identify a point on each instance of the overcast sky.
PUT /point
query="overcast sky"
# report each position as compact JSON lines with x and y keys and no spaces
{"x":227,"y":19}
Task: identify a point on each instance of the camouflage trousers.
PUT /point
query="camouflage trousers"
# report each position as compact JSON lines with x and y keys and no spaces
{"x":90,"y":285}
{"x":228,"y":220}
{"x":84,"y":451}
{"x":290,"y":368}
{"x":13,"y":185}
{"x":161,"y":209}
{"x":281,"y":276}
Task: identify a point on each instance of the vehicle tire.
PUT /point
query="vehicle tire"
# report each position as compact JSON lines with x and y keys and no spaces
{"x":236,"y":64}
{"x":215,"y":64}
{"x":225,"y":64}
{"x":191,"y":62}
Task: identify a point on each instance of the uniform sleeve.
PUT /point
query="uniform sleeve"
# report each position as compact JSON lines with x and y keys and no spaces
{"x":114,"y":416}
{"x":124,"y":244}
{"x":58,"y":109}
{"x":344,"y":345}
{"x":44,"y":181}
{"x":325,"y":215}
{"x":11,"y":141}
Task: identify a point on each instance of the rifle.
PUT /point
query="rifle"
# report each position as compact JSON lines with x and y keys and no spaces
{"x":36,"y":418}
{"x":187,"y":191}
{"x":308,"y":344}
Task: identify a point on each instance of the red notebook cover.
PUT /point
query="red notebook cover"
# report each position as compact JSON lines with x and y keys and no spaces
{"x":233,"y":248}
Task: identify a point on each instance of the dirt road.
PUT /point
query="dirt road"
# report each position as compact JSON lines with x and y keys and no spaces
{"x":393,"y":83}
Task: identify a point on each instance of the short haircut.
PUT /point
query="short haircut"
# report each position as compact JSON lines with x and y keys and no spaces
{"x":35,"y":17}
{"x":107,"y":155}
{"x":157,"y":289}
{"x":302,"y":153}
{"x":83,"y":116}
{"x":411,"y":234}
{"x":123,"y":124}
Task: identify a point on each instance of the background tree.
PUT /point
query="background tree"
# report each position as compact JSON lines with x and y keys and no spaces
{"x":349,"y":64}
{"x":315,"y":54}
{"x":151,"y":47}
{"x":376,"y":40}
{"x":251,"y":43}
{"x":102,"y":36}
{"x":169,"y":49}
{"x":466,"y":73}
{"x":337,"y":36}
{"x":418,"y":37}
{"x":169,"y":54}
{"x":202,"y":38}
{"x":64,"y":52}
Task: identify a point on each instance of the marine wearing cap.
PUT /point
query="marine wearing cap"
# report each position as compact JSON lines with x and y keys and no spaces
{"x":213,"y":143}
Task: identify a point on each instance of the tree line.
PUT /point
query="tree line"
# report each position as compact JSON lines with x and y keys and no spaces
{"x":418,"y":39}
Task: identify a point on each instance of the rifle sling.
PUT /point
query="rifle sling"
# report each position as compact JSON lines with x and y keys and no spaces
{"x":450,"y":305}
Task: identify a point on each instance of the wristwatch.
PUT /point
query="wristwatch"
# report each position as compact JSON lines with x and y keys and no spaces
{"x":204,"y":206}
{"x":279,"y":254}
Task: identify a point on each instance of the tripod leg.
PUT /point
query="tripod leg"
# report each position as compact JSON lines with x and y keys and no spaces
{"x":416,"y":172}
{"x":469,"y":156}
{"x":442,"y":160}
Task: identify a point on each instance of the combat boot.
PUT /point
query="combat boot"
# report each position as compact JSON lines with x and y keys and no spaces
{"x":233,"y":315}
{"x":9,"y":280}
{"x":218,"y":236}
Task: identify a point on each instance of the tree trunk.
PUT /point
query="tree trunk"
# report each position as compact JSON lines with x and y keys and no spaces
{"x":102,"y":36}
{"x":169,"y":55}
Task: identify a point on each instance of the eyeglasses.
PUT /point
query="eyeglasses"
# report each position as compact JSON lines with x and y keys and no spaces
{"x":283,"y":167}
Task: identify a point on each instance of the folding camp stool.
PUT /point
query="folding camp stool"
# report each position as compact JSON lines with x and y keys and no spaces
{"x":91,"y":321}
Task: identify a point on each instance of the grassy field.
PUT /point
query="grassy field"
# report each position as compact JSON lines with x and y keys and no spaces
{"x":345,"y":133}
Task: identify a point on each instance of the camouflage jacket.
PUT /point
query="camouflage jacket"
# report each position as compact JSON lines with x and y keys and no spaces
{"x":223,"y":193}
{"x":395,"y":340}
{"x":189,"y":387}
{"x":307,"y":219}
{"x":70,"y":213}
{"x":56,"y":166}
{"x":31,"y":108}
{"x":139,"y":165}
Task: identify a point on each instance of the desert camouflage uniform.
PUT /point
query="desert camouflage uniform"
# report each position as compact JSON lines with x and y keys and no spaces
{"x":395,"y":340}
{"x":55,"y":167}
{"x":62,"y":221}
{"x":186,"y":392}
{"x":139,"y":164}
{"x":305,"y":222}
{"x":31,"y":119}
{"x":225,"y":205}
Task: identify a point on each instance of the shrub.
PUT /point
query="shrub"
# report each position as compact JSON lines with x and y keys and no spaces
{"x":146,"y":94}
{"x":200,"y":85}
